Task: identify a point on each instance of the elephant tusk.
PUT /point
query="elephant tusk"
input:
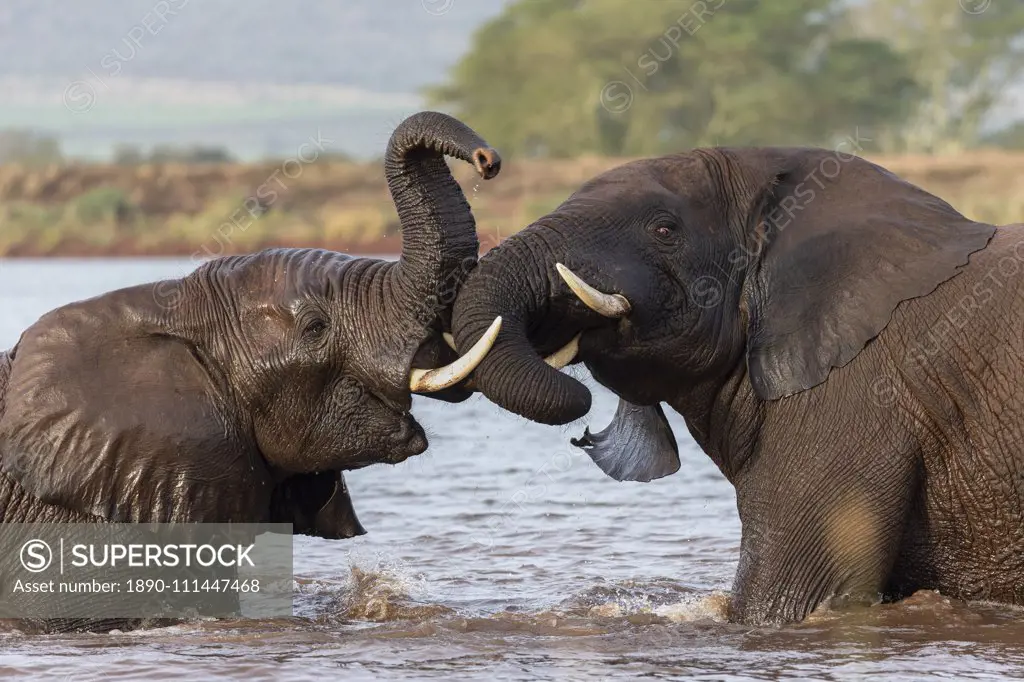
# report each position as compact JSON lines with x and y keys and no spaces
{"x":609,"y":305}
{"x":431,"y":380}
{"x":565,"y":354}
{"x":558,"y":359}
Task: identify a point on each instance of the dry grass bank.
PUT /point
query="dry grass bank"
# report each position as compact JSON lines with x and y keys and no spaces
{"x":178,"y":209}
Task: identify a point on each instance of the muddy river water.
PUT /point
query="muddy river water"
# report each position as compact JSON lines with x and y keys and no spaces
{"x":503,"y":553}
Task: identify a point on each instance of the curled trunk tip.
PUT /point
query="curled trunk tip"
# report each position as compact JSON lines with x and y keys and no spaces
{"x":487,"y":162}
{"x":431,"y":133}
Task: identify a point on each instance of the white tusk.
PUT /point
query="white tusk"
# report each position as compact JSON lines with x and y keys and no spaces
{"x":431,"y":380}
{"x":450,"y":340}
{"x":565,"y":354}
{"x":609,"y":305}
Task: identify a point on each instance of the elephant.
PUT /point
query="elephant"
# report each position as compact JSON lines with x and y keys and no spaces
{"x":241,"y":392}
{"x":843,"y":344}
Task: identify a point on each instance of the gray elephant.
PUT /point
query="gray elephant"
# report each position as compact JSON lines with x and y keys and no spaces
{"x":241,"y":392}
{"x":846,"y":347}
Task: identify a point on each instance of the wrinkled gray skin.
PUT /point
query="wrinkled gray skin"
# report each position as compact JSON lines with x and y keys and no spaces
{"x":242,"y":391}
{"x":846,"y":347}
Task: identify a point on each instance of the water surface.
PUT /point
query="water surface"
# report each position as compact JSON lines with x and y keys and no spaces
{"x":504,"y":553}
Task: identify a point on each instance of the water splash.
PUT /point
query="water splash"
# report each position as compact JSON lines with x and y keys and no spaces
{"x":384,"y":592}
{"x":713,"y":606}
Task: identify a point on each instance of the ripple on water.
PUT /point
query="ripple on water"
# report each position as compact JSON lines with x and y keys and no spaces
{"x":504,"y":553}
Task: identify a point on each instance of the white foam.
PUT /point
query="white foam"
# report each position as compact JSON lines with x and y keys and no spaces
{"x":713,"y":606}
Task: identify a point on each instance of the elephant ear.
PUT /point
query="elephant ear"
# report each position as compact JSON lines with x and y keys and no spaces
{"x":110,"y":414}
{"x":840,"y":242}
{"x":637,"y":446}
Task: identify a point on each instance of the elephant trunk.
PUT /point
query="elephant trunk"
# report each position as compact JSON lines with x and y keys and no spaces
{"x":439,"y":242}
{"x":515,"y":282}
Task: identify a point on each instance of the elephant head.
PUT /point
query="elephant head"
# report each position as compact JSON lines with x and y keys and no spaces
{"x":681,"y":278}
{"x":240,"y":392}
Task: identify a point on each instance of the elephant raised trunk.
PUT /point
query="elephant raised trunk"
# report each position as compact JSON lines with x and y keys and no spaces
{"x":408,"y":302}
{"x":439,"y":241}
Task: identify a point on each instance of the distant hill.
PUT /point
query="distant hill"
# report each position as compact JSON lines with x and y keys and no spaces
{"x":174,"y":71}
{"x":391,"y":46}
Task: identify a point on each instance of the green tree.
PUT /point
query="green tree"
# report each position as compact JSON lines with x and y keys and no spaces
{"x":963,"y":54}
{"x":640,"y":77}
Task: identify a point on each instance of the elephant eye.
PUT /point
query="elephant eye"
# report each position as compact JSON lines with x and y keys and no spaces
{"x":314,"y":329}
{"x":663,"y":231}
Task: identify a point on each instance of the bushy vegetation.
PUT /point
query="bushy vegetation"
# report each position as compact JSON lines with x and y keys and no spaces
{"x":557,"y":78}
{"x":176,"y":209}
{"x":132,"y":155}
{"x":28,"y":147}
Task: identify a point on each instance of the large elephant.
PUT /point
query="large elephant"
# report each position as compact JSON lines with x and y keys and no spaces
{"x":846,"y":347}
{"x":240,"y":392}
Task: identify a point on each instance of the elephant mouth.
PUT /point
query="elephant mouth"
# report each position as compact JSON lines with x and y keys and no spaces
{"x":407,"y":441}
{"x":599,"y":333}
{"x":522,"y":373}
{"x":439,"y":351}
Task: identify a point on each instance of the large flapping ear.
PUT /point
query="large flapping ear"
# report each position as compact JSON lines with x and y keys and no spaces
{"x":840,"y":243}
{"x":637,"y":446}
{"x":109,"y":414}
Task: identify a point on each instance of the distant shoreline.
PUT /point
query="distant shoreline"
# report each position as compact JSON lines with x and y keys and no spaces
{"x":175,"y":210}
{"x":387,"y":246}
